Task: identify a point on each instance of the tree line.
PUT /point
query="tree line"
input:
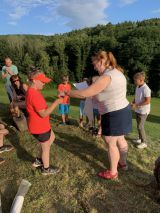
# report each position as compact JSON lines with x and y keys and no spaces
{"x":136,"y":46}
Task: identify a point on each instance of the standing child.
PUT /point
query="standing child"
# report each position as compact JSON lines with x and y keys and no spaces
{"x":141,"y":103}
{"x":64,"y":87}
{"x":38,"y":120}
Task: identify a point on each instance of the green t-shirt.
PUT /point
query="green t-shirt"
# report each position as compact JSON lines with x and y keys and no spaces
{"x":14,"y":69}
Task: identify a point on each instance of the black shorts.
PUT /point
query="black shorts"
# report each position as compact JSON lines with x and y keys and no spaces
{"x":43,"y":137}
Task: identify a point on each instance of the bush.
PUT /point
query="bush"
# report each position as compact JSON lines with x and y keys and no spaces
{"x":130,"y":89}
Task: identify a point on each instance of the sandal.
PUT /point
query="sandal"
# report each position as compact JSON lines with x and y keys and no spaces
{"x":107,"y":175}
{"x":122,"y":166}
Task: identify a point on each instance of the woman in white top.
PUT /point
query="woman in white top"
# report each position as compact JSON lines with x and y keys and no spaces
{"x":110,"y":91}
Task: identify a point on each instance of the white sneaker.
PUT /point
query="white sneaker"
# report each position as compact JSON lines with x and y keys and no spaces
{"x":142,"y":146}
{"x":137,"y":141}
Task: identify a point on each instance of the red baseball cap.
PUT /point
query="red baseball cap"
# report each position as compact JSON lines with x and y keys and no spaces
{"x":42,"y":77}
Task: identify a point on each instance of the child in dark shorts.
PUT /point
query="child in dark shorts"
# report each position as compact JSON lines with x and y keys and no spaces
{"x":38,"y":119}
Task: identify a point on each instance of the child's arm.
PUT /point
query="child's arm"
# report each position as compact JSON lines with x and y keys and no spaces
{"x":146,"y":101}
{"x":45,"y":112}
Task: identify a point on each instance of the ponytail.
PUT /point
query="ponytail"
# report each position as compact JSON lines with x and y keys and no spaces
{"x":113,"y":62}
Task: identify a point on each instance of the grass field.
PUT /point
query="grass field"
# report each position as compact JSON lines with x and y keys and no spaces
{"x":80,"y":156}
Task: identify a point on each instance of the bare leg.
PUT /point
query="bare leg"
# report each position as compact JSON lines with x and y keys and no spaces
{"x":113,"y":153}
{"x":99,"y":125}
{"x":63,"y":118}
{"x":3,"y":132}
{"x":46,"y":150}
{"x":123,"y":149}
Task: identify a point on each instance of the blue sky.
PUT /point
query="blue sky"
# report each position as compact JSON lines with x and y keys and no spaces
{"x":48,"y":17}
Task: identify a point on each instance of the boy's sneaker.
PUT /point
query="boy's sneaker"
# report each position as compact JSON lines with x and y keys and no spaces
{"x":137,"y":141}
{"x":6,"y":148}
{"x":50,"y":171}
{"x":2,"y":160}
{"x":62,"y":123}
{"x":37,"y":163}
{"x":142,"y":146}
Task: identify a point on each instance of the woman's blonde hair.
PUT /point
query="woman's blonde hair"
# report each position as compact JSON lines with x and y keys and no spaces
{"x":108,"y":57}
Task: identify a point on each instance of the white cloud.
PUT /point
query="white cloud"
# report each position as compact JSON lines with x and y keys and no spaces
{"x":126,"y":2}
{"x":156,"y":11}
{"x":18,"y":13}
{"x":75,"y":13}
{"x":83,"y":13}
{"x":12,"y":23}
{"x":20,"y":8}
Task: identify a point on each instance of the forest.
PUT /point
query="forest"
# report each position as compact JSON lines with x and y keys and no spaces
{"x":136,"y":46}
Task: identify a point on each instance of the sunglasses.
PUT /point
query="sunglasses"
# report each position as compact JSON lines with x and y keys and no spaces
{"x":15,"y":80}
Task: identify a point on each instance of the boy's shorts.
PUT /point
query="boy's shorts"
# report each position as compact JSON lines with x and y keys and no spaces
{"x":64,"y":109}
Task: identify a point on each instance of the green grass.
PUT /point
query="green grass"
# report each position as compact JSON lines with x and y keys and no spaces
{"x":80,"y":156}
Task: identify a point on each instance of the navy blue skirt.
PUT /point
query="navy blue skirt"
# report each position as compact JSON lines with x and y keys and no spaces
{"x":117,"y":123}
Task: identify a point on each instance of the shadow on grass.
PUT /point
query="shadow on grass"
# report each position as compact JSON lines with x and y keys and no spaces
{"x":58,"y":208}
{"x":7,"y":197}
{"x":21,"y":152}
{"x":135,"y":180}
{"x":86,"y":151}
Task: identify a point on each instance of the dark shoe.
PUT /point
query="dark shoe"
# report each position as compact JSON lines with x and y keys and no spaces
{"x":62,"y":123}
{"x":2,"y":160}
{"x":50,"y":171}
{"x":6,"y":148}
{"x":37,"y":163}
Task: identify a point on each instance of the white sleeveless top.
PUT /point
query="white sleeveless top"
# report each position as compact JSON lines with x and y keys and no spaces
{"x":113,"y":97}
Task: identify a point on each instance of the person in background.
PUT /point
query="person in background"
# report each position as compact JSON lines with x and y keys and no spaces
{"x":7,"y":71}
{"x":81,"y":108}
{"x":141,"y":104}
{"x":115,"y":110}
{"x":65,"y":86}
{"x":4,"y":148}
{"x":38,"y":119}
{"x":19,"y":91}
{"x":96,"y":115}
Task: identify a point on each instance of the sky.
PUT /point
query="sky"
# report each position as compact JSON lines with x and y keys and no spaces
{"x":49,"y":17}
